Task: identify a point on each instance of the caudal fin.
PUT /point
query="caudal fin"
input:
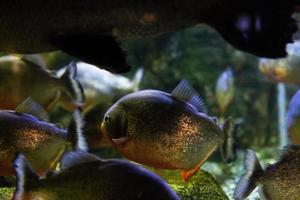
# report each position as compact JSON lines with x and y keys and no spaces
{"x":25,"y":176}
{"x":228,"y":149}
{"x":247,"y":183}
{"x":73,"y":86}
{"x":75,"y":132}
{"x":137,"y":79}
{"x":262,"y":28}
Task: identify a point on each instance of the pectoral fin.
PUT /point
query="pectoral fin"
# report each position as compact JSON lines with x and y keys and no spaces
{"x":101,"y":50}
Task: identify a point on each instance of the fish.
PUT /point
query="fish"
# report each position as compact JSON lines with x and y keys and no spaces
{"x":279,"y":180}
{"x":100,"y":86}
{"x":92,"y":128}
{"x":225,"y":90}
{"x":85,"y":176}
{"x":93,"y":30}
{"x":21,"y":77}
{"x":27,"y":130}
{"x":284,"y":70}
{"x":167,"y":130}
{"x":293,"y":119}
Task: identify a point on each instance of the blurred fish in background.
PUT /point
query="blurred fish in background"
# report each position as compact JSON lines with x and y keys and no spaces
{"x":285,"y":70}
{"x":26,"y":130}
{"x":101,"y":86}
{"x":293,"y":118}
{"x":21,"y":77}
{"x":225,"y":90}
{"x":85,"y":176}
{"x":80,"y":28}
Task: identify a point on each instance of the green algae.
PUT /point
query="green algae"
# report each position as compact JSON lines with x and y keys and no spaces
{"x":6,"y":193}
{"x":202,"y":186}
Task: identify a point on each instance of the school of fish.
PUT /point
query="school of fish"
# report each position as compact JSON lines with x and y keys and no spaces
{"x":159,"y":129}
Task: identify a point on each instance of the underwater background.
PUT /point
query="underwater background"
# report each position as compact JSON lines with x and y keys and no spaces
{"x":200,"y":56}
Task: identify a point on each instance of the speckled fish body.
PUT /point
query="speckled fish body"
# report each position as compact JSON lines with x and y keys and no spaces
{"x":157,"y":129}
{"x":100,"y":86}
{"x":93,"y":179}
{"x":81,"y":28}
{"x":159,"y":123}
{"x":20,"y":78}
{"x":43,"y":143}
{"x":279,"y":181}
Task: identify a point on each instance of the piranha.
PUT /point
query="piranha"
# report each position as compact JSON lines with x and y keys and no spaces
{"x":293,"y":119}
{"x":91,"y":30}
{"x":21,"y":77}
{"x":100,"y":86}
{"x":225,"y":90}
{"x":92,"y":127}
{"x":169,"y":131}
{"x":26,"y":130}
{"x":85,"y":176}
{"x":286,"y":70}
{"x":279,"y":181}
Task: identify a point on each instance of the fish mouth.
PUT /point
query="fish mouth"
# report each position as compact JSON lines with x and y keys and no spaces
{"x":120,"y":140}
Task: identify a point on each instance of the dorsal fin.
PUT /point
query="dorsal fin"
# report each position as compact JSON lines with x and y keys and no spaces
{"x":290,"y":151}
{"x":25,"y":175}
{"x":36,"y":59}
{"x":78,"y":157}
{"x":185,"y":92}
{"x":31,"y":107}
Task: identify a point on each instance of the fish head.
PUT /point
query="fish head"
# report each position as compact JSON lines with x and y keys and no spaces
{"x":114,"y":124}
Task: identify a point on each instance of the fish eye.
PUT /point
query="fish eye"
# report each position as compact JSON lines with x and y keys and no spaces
{"x":107,"y":119}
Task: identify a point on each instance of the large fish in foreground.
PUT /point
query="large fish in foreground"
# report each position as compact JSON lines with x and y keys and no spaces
{"x":43,"y":143}
{"x":86,"y":177}
{"x":169,"y":131}
{"x":21,"y":77}
{"x":279,"y":181}
{"x":90,"y":29}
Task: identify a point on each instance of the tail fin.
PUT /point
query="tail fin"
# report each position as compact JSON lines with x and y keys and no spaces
{"x":262,"y":28}
{"x":137,"y":79}
{"x":248,"y":181}
{"x":73,"y":87}
{"x":228,"y":150}
{"x":25,"y":176}
{"x":75,"y":132}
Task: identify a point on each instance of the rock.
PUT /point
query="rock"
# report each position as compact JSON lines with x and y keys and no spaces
{"x":202,"y":186}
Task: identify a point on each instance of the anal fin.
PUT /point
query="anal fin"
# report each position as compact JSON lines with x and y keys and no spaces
{"x":186,"y":174}
{"x":101,"y":50}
